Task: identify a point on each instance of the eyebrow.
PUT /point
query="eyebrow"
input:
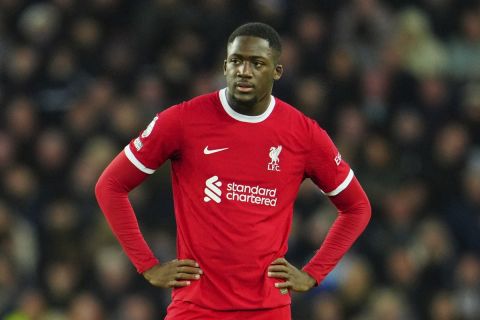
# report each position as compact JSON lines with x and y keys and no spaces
{"x":249,"y":57}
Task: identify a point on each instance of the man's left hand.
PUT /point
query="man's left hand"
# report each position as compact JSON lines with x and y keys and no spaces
{"x":295,"y":279}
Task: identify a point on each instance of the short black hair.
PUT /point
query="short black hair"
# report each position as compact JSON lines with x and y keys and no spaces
{"x":259,"y":30}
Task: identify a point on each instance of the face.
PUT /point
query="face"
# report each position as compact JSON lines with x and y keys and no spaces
{"x":250,"y":69}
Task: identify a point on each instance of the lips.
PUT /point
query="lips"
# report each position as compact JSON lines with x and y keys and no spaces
{"x":244,"y":86}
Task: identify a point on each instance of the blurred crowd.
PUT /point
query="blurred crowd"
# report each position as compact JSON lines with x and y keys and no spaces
{"x":395,"y":83}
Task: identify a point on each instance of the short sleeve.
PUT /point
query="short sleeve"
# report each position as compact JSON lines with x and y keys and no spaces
{"x":160,"y":141}
{"x":324,"y":164}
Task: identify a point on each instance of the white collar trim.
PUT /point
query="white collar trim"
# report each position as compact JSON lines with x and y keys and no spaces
{"x":242,"y":117}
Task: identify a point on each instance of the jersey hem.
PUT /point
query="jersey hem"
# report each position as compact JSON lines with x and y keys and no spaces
{"x":231,"y":308}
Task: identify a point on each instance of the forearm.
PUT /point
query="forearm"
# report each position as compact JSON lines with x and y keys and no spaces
{"x":354,"y":215}
{"x":112,"y":189}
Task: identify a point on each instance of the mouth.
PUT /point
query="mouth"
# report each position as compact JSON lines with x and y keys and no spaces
{"x":244,"y":87}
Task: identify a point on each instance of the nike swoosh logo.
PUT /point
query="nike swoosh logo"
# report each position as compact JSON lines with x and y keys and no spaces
{"x":210,"y":151}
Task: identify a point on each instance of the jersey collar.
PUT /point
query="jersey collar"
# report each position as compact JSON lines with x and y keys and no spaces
{"x":242,"y":117}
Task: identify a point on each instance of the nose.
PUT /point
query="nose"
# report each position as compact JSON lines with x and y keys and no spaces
{"x":245,"y":69}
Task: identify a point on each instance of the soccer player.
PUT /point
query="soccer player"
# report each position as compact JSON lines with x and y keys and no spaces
{"x":238,"y":157}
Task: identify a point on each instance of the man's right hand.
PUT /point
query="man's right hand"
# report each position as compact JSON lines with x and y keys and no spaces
{"x":173,"y":274}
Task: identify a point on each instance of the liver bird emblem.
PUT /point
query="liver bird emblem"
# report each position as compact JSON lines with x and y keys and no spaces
{"x":274,"y":154}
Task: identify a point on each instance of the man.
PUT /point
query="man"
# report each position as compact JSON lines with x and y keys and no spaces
{"x":238,"y":158}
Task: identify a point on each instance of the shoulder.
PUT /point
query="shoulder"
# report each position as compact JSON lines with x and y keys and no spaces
{"x":294,"y":116}
{"x":194,"y":106}
{"x":204,"y":100}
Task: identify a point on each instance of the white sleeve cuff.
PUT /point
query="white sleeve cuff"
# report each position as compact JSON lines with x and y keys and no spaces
{"x":135,"y":161}
{"x":342,"y":185}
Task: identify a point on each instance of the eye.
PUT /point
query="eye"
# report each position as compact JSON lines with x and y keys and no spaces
{"x":235,"y":61}
{"x":258,"y":64}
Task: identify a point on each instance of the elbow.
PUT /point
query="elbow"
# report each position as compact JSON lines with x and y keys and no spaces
{"x":99,"y":188}
{"x":367,"y":212}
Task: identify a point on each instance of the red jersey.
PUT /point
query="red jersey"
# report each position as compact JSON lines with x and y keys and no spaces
{"x":235,"y":179}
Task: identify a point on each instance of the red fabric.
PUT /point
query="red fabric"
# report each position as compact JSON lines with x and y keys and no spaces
{"x":354,"y":215}
{"x":112,"y":189}
{"x":323,"y":163}
{"x":184,"y":310}
{"x":233,"y":206}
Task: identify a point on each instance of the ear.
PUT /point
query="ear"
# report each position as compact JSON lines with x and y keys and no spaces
{"x":225,"y":67}
{"x":277,"y":73}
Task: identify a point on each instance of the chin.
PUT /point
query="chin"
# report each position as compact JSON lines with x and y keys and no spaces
{"x":245,"y":100}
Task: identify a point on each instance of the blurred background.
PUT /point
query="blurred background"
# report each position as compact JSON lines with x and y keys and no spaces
{"x":395,"y":83}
